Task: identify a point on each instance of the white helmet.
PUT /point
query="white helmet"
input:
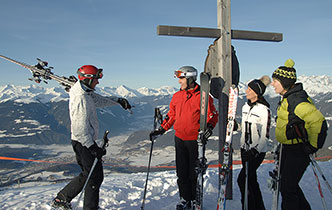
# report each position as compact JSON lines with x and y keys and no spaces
{"x":189,"y":72}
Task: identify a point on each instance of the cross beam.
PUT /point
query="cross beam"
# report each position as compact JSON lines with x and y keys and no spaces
{"x":216,"y":33}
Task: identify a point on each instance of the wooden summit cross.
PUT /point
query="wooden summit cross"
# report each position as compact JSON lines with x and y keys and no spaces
{"x":220,"y":62}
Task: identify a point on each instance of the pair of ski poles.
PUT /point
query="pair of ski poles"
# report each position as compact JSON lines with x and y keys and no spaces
{"x":105,"y":144}
{"x":158,"y":118}
{"x":315,"y":167}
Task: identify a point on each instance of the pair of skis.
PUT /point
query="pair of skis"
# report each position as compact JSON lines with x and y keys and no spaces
{"x":226,"y":166}
{"x":202,"y":165}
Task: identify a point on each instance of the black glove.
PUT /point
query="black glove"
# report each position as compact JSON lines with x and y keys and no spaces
{"x":254,"y":153}
{"x":308,"y":148}
{"x":97,"y":151}
{"x":236,"y":126}
{"x":247,"y":155}
{"x":208,"y":131}
{"x":157,"y":132}
{"x":124,"y":103}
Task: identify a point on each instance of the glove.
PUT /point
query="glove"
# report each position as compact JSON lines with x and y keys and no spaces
{"x":157,"y":132}
{"x":308,"y":148}
{"x":249,"y":155}
{"x":97,"y":151}
{"x":253,"y":152}
{"x":124,"y":103}
{"x":236,"y":126}
{"x":208,"y":131}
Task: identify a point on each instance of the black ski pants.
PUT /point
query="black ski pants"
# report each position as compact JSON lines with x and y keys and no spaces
{"x":293,"y":165}
{"x":255,"y":199}
{"x":186,"y":153}
{"x":91,"y":196}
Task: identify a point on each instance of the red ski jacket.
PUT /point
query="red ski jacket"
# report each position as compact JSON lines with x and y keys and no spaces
{"x":184,"y":114}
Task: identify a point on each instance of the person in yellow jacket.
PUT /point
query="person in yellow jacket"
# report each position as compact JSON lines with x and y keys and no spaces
{"x":301,"y":129}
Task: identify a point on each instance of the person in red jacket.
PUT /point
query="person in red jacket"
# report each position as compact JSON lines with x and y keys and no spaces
{"x":184,"y":115}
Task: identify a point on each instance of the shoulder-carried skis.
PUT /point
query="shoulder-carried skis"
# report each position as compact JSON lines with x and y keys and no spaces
{"x":40,"y":72}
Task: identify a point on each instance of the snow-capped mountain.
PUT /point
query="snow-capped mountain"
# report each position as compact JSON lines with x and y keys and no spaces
{"x":314,"y":85}
{"x":35,"y":93}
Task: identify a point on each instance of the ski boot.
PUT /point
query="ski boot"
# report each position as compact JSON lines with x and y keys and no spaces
{"x":61,"y":204}
{"x":183,"y":205}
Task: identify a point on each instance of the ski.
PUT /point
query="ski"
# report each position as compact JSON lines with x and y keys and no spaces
{"x":201,"y":165}
{"x":226,"y":166}
{"x":40,"y":72}
{"x":274,"y":180}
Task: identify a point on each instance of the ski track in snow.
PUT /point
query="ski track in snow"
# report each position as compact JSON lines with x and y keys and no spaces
{"x":125,"y":191}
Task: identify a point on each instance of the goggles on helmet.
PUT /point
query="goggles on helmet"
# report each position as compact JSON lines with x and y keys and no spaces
{"x":181,"y":74}
{"x":98,"y":75}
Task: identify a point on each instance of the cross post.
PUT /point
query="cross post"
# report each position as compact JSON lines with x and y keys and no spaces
{"x":220,"y":62}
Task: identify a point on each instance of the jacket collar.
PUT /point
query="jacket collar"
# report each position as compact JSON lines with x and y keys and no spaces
{"x":296,"y":88}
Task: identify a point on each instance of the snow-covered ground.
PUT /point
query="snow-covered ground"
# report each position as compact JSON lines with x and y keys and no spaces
{"x":125,"y":191}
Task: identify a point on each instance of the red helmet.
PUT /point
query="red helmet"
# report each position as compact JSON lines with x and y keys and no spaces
{"x":87,"y":73}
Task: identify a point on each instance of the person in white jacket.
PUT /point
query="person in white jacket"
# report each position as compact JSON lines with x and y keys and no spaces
{"x":255,"y":125}
{"x":83,"y":102}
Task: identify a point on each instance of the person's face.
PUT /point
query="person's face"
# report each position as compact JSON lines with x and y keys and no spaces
{"x":251,"y":95}
{"x":94,"y":83}
{"x":183,"y":83}
{"x":278,"y":88}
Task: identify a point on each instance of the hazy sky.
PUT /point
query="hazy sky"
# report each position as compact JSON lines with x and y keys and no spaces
{"x":120,"y":36}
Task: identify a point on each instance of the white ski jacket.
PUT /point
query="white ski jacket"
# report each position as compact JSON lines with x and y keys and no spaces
{"x":259,"y":115}
{"x":82,"y":111}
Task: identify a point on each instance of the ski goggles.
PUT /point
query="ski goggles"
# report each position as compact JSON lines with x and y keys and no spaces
{"x":98,"y":75}
{"x":181,"y":74}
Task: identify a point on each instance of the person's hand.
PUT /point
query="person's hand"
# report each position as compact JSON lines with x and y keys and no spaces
{"x":247,"y":155}
{"x":97,"y":151}
{"x":208,"y":132}
{"x":157,"y":132}
{"x":236,"y":126}
{"x":253,"y":152}
{"x":124,"y":103}
{"x":308,"y":148}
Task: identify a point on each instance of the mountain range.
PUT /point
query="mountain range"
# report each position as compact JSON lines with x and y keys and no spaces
{"x":38,"y":115}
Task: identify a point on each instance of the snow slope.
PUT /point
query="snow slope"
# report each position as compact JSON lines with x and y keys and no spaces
{"x":125,"y":191}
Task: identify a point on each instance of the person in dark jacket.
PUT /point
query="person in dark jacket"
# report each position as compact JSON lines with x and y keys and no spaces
{"x":256,"y":121}
{"x":184,"y":115}
{"x":296,"y":112}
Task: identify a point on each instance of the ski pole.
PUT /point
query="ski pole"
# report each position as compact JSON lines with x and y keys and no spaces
{"x":315,"y":164}
{"x":318,"y":185}
{"x":92,"y":168}
{"x":248,"y":141}
{"x":147,"y":177}
{"x":157,"y":119}
{"x":86,"y":182}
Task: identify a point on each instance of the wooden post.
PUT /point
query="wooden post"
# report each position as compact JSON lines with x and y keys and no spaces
{"x":225,"y":73}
